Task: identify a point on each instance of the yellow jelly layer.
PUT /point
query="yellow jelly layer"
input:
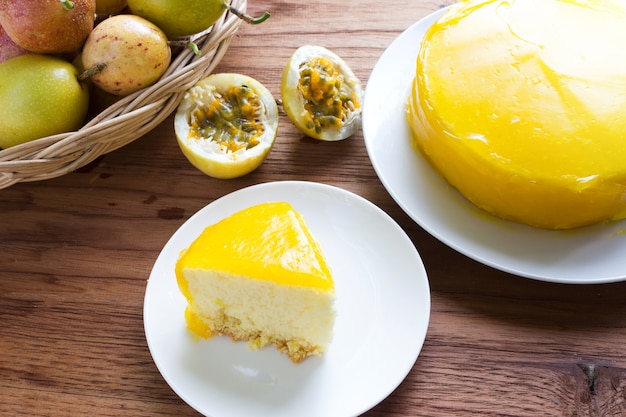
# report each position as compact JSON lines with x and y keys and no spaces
{"x":269,"y":241}
{"x":521,"y":105}
{"x":196,"y":325}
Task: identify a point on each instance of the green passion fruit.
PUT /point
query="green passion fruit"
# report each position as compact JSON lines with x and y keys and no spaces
{"x":110,"y":6}
{"x":179,"y":18}
{"x":40,"y":96}
{"x":226,"y":125}
{"x":321,"y":95}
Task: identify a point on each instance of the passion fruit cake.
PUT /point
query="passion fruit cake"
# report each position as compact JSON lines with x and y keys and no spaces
{"x":259,"y":276}
{"x":521,"y":104}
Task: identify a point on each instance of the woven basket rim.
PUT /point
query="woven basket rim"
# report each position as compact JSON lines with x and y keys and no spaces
{"x":126,"y":120}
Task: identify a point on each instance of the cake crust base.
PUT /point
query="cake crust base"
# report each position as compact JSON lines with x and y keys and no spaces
{"x":225,"y":325}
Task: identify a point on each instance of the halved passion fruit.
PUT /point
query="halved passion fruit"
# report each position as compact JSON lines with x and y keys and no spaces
{"x":321,"y":95}
{"x":226,"y":125}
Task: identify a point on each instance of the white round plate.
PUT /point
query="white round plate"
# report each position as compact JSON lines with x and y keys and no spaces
{"x":383,"y":309}
{"x":594,"y":254}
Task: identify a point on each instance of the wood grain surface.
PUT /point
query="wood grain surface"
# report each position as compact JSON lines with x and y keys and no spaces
{"x":76,"y":251}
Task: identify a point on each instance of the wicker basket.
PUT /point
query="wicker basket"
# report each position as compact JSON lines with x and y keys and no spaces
{"x":124,"y":121}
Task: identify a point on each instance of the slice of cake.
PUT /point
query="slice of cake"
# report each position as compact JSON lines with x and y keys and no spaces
{"x":521,"y":106}
{"x":259,"y":276}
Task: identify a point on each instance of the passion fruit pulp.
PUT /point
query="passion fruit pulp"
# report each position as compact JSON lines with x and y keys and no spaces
{"x":321,"y":95}
{"x":226,"y":125}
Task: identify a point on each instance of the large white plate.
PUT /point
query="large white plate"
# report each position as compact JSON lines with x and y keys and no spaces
{"x":589,"y":255}
{"x":382,"y":301}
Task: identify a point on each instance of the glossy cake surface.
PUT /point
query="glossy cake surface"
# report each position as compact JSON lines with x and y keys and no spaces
{"x":523,"y":111}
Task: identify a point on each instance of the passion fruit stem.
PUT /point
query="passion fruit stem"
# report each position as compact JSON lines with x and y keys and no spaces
{"x":68,"y":4}
{"x":90,"y":72}
{"x":246,"y":18}
{"x":194,"y":47}
{"x":185,"y":44}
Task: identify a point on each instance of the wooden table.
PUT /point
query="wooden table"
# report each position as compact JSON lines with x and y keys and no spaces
{"x":76,"y":251}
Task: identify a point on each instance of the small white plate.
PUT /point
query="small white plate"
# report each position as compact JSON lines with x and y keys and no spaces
{"x":383,"y":310}
{"x":594,"y":254}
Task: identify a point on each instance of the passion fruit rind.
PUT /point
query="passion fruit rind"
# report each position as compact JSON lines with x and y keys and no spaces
{"x":321,"y":95}
{"x":226,"y":125}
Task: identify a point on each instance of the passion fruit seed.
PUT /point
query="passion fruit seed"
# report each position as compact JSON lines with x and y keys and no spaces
{"x":328,"y":100}
{"x":320,"y":94}
{"x":231,"y":119}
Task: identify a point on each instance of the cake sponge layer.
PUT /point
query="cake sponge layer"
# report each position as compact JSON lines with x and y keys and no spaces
{"x":295,"y":319}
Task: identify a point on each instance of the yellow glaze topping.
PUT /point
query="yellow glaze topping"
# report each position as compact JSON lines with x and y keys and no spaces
{"x":269,"y":241}
{"x":521,"y":105}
